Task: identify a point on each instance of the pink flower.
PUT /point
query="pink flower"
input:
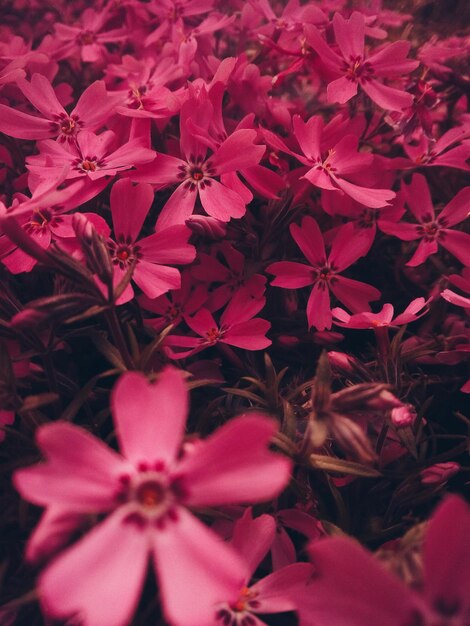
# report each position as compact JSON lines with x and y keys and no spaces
{"x":93,"y":156}
{"x":43,"y":217}
{"x":432,"y":230}
{"x":150,"y":255}
{"x":234,"y":274}
{"x":145,"y":494}
{"x":237,"y":327}
{"x":354,"y":68}
{"x":174,"y":307}
{"x":88,"y":39}
{"x":323,"y":272}
{"x":274,"y":593}
{"x":142,"y":92}
{"x":332,"y":168}
{"x":416,"y":309}
{"x":448,"y":151}
{"x":352,"y":588}
{"x":197,"y":174}
{"x":91,"y":111}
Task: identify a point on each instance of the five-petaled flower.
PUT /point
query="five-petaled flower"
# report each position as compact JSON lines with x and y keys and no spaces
{"x":146,"y":493}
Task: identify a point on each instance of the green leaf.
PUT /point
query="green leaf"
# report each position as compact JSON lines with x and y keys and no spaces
{"x":340,"y":466}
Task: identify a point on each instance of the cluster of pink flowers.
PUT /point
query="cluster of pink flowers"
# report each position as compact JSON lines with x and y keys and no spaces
{"x":232,"y":199}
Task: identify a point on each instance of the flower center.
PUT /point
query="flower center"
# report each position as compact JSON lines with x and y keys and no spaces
{"x":197,"y":174}
{"x":238,"y":614}
{"x":324,"y":274}
{"x":429,"y":230}
{"x":213,"y":335}
{"x":172,"y":312}
{"x":324,"y":164}
{"x":358,"y":70}
{"x":245,"y":600}
{"x":40,"y":219}
{"x":123,"y":253}
{"x":67,"y":126}
{"x":367,"y":218}
{"x":150,"y":494}
{"x":86,"y":38}
{"x":88,"y":166}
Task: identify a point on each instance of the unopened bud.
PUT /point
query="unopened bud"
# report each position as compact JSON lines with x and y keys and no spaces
{"x":83,"y":228}
{"x":288,"y":341}
{"x":402,"y":416}
{"x":351,"y":438}
{"x":207,"y":226}
{"x":439,"y":473}
{"x":326,"y":337}
{"x":341,"y":362}
{"x":375,"y":396}
{"x":94,"y":248}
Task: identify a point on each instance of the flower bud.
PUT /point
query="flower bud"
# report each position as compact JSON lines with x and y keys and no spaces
{"x":402,"y":416}
{"x":352,"y":439}
{"x":341,"y":362}
{"x":439,"y":473}
{"x":207,"y":226}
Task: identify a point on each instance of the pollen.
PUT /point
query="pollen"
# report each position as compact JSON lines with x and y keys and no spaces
{"x":68,"y":126}
{"x":88,"y":166}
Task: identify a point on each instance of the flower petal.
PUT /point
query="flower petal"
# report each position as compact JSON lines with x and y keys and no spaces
{"x":277,"y":592}
{"x":341,"y":90}
{"x":234,"y":465}
{"x":447,"y":554}
{"x":252,"y":539}
{"x":249,"y":335}
{"x":196,"y":571}
{"x":354,"y":294}
{"x":178,"y":207}
{"x":129,"y":207}
{"x":291,"y":275}
{"x":86,"y":581}
{"x":359,"y":592}
{"x":155,"y":280}
{"x":221,"y":202}
{"x":81,"y":472}
{"x":457,"y":243}
{"x":150,"y":419}
{"x":309,"y":239}
{"x":237,"y":152}
{"x":318,"y":307}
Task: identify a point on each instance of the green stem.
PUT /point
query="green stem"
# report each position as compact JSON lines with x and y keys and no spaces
{"x":115,"y":329}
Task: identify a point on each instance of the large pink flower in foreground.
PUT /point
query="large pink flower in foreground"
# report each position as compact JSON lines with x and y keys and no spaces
{"x":351,"y":588}
{"x":145,"y":493}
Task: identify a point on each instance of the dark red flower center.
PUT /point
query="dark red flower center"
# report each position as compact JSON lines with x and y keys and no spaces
{"x":86,"y":38}
{"x":358,"y":70}
{"x":197,"y":174}
{"x":213,"y":335}
{"x":150,"y":494}
{"x":429,"y":230}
